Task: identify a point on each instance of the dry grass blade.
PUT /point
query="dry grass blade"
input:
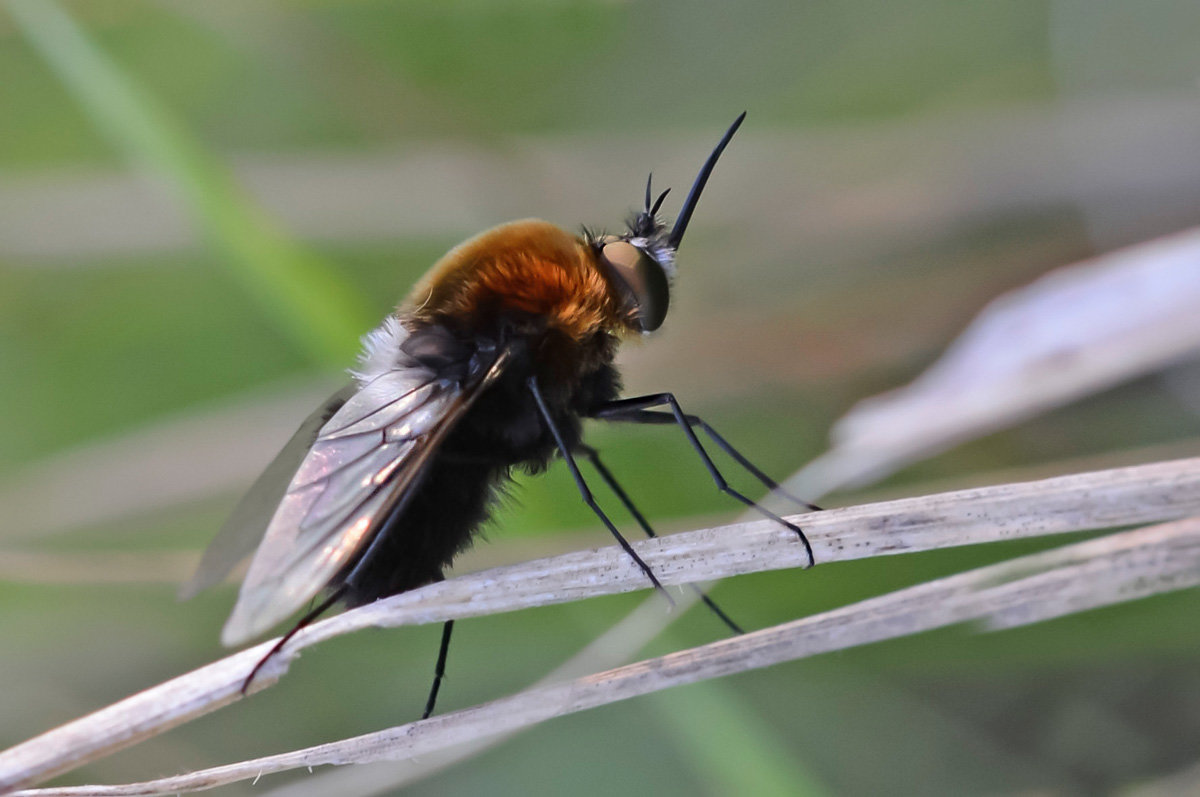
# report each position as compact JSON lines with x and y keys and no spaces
{"x":1077,"y":330}
{"x":1116,"y":568}
{"x":1124,"y":496}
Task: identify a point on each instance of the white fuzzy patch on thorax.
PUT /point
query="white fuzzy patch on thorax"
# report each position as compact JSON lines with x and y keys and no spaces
{"x":381,"y":351}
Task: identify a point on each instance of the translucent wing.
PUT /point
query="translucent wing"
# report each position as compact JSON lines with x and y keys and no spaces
{"x":363,"y":460}
{"x":244,"y":529}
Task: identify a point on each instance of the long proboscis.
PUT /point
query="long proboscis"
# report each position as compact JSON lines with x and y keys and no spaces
{"x":689,"y":204}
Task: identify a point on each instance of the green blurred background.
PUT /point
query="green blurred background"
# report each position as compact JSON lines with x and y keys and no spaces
{"x":203,"y":204}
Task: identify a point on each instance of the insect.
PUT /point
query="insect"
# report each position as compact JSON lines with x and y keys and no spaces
{"x":491,"y":364}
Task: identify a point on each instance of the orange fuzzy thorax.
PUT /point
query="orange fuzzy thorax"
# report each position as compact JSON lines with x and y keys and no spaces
{"x":529,"y":266}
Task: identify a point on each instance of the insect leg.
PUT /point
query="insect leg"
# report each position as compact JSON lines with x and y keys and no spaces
{"x":439,"y":670}
{"x":585,"y":492}
{"x":637,"y":410}
{"x":593,"y":456}
{"x":307,"y":619}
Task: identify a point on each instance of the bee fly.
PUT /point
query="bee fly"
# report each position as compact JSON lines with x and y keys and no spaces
{"x":490,"y":364}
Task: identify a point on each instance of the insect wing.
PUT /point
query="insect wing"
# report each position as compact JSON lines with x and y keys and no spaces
{"x":362,"y":461}
{"x":243,"y":531}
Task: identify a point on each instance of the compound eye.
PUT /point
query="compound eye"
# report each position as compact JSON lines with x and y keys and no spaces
{"x":643,"y":279}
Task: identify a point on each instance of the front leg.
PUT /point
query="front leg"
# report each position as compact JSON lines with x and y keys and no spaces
{"x":639,"y":410}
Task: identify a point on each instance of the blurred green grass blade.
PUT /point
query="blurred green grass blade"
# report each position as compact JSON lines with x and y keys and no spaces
{"x":728,"y":747}
{"x":297,"y":289}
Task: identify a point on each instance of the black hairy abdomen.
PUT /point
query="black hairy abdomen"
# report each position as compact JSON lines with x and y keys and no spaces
{"x":462,"y":482}
{"x":447,"y":505}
